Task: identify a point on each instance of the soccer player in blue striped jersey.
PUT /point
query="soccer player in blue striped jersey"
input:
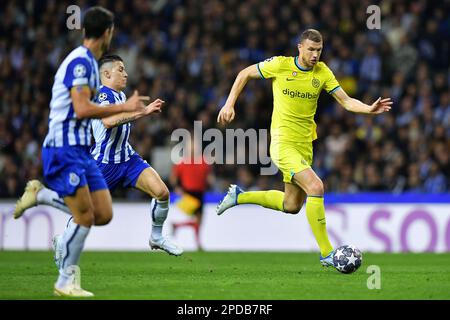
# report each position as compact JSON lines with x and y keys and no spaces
{"x":68,"y":166}
{"x":117,"y":160}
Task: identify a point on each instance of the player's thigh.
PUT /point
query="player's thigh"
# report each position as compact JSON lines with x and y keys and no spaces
{"x":309,"y":181}
{"x":102,"y":202}
{"x":151,"y":183}
{"x":101,"y":198}
{"x":294,"y":197}
{"x":81,"y":206}
{"x":291,"y":158}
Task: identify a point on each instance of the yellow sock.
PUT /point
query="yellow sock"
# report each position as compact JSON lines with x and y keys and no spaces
{"x":272,"y":199}
{"x":315,"y":211}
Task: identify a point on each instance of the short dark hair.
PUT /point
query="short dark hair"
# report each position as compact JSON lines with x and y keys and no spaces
{"x":108,"y":58}
{"x":96,"y":21}
{"x":311,"y":34}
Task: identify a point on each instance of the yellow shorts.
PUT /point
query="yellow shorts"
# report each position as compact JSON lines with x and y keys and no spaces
{"x":291,"y":158}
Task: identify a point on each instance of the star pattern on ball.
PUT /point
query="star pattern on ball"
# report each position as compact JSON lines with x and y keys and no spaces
{"x":347,"y":259}
{"x":352,"y":259}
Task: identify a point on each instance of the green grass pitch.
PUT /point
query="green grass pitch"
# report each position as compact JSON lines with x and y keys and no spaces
{"x":227,"y":275}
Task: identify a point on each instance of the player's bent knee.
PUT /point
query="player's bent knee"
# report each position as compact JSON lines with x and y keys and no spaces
{"x":162,"y":194}
{"x":291,"y":208}
{"x":103,"y":217}
{"x":85,"y":218}
{"x":316,"y":188}
{"x":102,"y":220}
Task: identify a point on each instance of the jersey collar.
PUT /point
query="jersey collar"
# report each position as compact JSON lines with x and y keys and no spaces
{"x":89,"y":53}
{"x":298,"y":65}
{"x":118,"y":92}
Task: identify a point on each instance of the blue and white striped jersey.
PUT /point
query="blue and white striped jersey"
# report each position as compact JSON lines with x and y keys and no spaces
{"x":111,"y":145}
{"x":64,"y":129}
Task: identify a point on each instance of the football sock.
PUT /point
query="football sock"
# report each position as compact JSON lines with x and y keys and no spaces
{"x":68,"y":222}
{"x":272,"y":199}
{"x":159,"y":215}
{"x":315,"y":212}
{"x":51,"y":198}
{"x":72,"y":243}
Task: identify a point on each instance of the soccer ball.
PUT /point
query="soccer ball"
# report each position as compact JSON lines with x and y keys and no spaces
{"x":347,"y":259}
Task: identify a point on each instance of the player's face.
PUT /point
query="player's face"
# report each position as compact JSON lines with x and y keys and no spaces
{"x":309,"y":52}
{"x":119,"y":76}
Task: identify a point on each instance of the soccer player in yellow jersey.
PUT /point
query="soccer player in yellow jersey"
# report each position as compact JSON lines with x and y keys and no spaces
{"x":297,"y":83}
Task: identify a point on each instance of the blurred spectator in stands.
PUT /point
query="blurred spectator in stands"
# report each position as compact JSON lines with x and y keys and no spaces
{"x":435,"y":182}
{"x":188,"y":52}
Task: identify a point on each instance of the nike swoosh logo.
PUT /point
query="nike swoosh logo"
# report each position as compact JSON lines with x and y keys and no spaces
{"x":290,"y":79}
{"x":320,"y":220}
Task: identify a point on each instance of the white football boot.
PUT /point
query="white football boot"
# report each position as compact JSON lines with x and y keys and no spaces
{"x":230,"y":199}
{"x":72,"y":291}
{"x":166,"y":245}
{"x":73,"y":288}
{"x":28,"y":199}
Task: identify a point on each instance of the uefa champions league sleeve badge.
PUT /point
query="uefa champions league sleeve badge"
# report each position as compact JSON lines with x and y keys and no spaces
{"x":79,"y":71}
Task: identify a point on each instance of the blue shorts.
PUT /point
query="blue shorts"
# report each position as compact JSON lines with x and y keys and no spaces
{"x":124,"y":174}
{"x":68,"y":168}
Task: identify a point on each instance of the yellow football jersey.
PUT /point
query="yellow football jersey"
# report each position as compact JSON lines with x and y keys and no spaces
{"x":295,"y":94}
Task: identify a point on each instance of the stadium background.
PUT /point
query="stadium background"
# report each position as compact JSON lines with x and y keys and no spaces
{"x":387,"y":177}
{"x":189,"y":53}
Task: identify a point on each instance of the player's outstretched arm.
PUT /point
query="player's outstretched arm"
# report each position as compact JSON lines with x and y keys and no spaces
{"x":226,"y":114}
{"x":124,"y":117}
{"x":354,"y":105}
{"x":84,"y":108}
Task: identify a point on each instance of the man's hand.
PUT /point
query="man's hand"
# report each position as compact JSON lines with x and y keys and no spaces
{"x":155,"y":106}
{"x":135,"y":103}
{"x":354,"y":105}
{"x":380,"y":106}
{"x":226,"y":115}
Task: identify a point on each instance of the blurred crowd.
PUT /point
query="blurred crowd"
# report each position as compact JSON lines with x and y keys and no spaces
{"x":189,"y":53}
